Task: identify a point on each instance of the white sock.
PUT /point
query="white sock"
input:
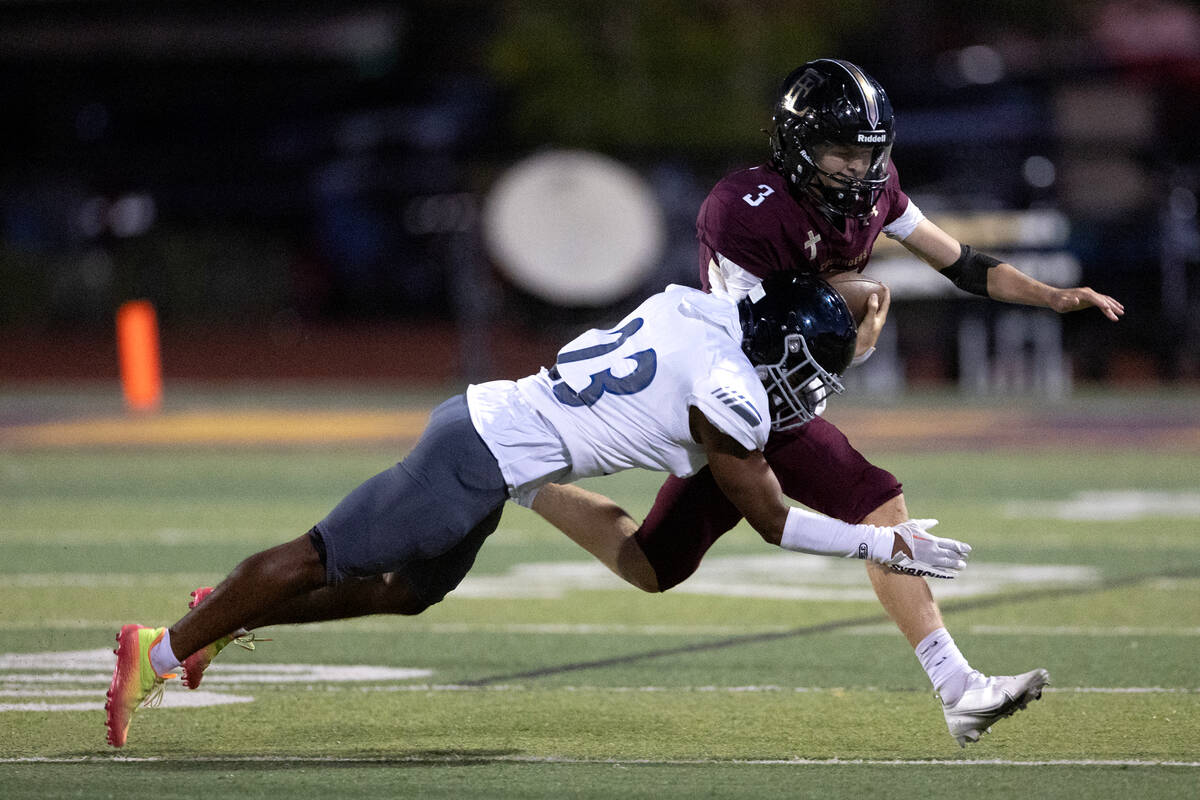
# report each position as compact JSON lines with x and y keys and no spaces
{"x":946,"y":667}
{"x":162,"y":659}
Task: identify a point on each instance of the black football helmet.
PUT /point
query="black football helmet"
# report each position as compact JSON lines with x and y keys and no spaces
{"x":799,"y":334}
{"x":831,"y":103}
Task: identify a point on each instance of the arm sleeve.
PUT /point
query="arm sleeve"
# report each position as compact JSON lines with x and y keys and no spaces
{"x":808,"y":532}
{"x":903,"y":215}
{"x":728,"y":279}
{"x":905,"y":224}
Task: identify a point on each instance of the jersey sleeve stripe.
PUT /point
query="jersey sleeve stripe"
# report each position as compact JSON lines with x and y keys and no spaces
{"x":729,"y":422}
{"x":739,"y":404}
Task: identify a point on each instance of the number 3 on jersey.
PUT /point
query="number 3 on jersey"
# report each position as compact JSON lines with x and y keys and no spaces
{"x":645,"y":366}
{"x":756,"y":200}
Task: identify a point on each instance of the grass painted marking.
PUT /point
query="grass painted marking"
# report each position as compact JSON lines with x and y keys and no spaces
{"x":775,"y":576}
{"x":1081,"y":630}
{"x":105,"y":580}
{"x":1025,"y":595}
{"x":836,"y":690}
{"x":524,"y":759}
{"x":27,"y":675}
{"x":1110,"y":505}
{"x":172,"y":698}
{"x":391,"y":625}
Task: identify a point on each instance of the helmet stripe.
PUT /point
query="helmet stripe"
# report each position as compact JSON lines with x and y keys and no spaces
{"x":865,"y":87}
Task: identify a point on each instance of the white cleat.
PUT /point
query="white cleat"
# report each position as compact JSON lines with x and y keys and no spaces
{"x":988,"y":699}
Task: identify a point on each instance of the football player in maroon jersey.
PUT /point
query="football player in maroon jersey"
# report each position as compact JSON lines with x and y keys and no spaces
{"x":828,"y":191}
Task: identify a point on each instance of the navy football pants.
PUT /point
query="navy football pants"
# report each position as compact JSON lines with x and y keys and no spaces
{"x":426,"y":517}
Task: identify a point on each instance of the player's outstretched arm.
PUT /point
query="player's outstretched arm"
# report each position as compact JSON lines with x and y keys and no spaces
{"x":600,"y":526}
{"x":908,"y":548}
{"x":983,"y":275}
{"x":747,"y":480}
{"x":1006,"y":282}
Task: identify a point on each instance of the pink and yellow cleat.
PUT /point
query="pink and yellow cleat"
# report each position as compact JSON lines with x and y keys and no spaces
{"x":195,"y":664}
{"x":134,"y":682}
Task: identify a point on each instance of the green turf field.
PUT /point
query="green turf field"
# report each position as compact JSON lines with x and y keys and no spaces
{"x":766,"y":674}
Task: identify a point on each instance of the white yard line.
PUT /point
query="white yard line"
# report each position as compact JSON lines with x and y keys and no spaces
{"x":93,"y":580}
{"x":60,"y":688}
{"x":232,"y":682}
{"x":1110,"y":505}
{"x":395,"y":625}
{"x":777,"y":575}
{"x":502,"y":687}
{"x":1082,"y":630}
{"x":197,"y":699}
{"x":519,"y":759}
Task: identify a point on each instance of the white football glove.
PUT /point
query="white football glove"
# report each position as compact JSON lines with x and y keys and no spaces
{"x":915,"y":551}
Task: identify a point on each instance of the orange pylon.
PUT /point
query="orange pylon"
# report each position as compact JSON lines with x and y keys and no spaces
{"x":137,"y":349}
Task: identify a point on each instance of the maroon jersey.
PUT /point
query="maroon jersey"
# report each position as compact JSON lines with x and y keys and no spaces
{"x":752,"y":219}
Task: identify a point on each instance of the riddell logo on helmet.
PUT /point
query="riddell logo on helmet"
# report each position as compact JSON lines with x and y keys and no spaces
{"x":870,"y":138}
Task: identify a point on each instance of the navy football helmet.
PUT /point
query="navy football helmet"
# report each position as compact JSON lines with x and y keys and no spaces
{"x":799,"y":334}
{"x":831,"y":104}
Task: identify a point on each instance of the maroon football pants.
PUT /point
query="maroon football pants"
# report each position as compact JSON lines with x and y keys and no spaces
{"x":816,"y":466}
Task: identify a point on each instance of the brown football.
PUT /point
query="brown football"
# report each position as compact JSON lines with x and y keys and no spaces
{"x":855,"y":289}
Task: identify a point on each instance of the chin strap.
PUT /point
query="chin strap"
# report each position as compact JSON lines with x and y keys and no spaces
{"x":854,"y":362}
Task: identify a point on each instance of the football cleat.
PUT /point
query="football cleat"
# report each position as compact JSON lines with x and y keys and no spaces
{"x":195,"y":664}
{"x":134,"y":682}
{"x":988,"y":699}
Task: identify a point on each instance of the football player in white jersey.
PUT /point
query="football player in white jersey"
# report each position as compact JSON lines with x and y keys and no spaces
{"x":687,"y":379}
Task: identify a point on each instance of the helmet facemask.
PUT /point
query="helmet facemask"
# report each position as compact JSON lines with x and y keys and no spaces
{"x":797,"y":385}
{"x":800,"y":336}
{"x":843,"y":194}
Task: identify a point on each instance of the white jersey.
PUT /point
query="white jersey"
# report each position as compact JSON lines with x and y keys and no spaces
{"x":617,"y":399}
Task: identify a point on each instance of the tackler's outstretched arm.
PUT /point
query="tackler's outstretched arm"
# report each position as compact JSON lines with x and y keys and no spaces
{"x":747,"y":480}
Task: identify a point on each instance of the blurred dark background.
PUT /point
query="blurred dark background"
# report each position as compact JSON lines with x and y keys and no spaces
{"x":298,"y":187}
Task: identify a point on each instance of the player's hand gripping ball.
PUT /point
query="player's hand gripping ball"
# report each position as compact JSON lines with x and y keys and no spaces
{"x":856,"y":290}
